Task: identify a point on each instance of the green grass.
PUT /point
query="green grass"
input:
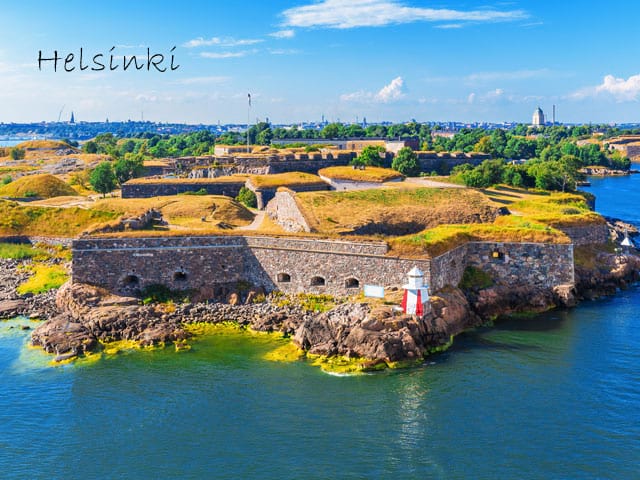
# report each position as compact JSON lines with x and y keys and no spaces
{"x":20,"y":251}
{"x":475,"y":279}
{"x":42,"y":185}
{"x":369,"y":174}
{"x":44,"y":278}
{"x":16,"y":219}
{"x":289,"y":179}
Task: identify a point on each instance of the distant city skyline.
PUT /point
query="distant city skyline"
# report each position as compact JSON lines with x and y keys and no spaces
{"x":386,"y":60}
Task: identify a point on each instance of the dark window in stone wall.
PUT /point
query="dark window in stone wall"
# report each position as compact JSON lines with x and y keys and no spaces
{"x":351,"y":283}
{"x":284,"y":277}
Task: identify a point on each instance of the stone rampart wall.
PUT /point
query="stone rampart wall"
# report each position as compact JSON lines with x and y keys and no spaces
{"x":290,"y":265}
{"x":533,"y":264}
{"x":296,"y":265}
{"x":284,"y":210}
{"x":447,"y":269}
{"x":588,"y":234}
{"x":148,"y":190}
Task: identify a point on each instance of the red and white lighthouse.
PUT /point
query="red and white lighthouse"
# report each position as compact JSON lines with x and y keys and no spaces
{"x":416,"y":293}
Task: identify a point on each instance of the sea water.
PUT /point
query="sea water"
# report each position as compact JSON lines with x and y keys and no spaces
{"x":555,"y":395}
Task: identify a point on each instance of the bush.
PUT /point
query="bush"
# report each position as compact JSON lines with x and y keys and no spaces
{"x":406,"y":162}
{"x":247,"y":197}
{"x":6,"y":180}
{"x":475,"y":279}
{"x":16,"y":153}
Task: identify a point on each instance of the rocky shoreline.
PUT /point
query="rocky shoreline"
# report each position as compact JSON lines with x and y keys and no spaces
{"x":81,"y":318}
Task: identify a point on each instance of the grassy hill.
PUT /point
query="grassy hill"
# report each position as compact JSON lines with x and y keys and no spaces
{"x":393,"y":211}
{"x":289,"y":179}
{"x":369,"y":174}
{"x":16,"y":219}
{"x":42,"y":186}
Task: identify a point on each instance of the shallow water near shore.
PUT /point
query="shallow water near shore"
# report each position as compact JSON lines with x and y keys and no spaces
{"x":555,"y":395}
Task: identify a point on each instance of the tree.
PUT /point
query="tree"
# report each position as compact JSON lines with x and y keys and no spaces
{"x":16,"y":153}
{"x":370,"y":156}
{"x":102,"y":178}
{"x":333,"y":130}
{"x":90,"y":147}
{"x":247,"y":197}
{"x":406,"y":162}
{"x":128,"y":167}
{"x":264,"y":137}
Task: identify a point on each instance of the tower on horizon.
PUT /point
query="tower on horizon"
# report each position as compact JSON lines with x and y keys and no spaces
{"x":72,"y":119}
{"x":538,"y":118}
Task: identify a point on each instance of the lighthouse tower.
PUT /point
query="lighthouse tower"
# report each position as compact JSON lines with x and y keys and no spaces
{"x":416,"y":293}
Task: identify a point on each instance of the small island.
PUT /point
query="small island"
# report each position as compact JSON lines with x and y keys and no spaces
{"x":284,"y":241}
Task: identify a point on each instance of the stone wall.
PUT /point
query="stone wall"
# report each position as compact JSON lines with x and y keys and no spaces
{"x":172,"y":187}
{"x":284,"y":210}
{"x":588,"y":234}
{"x":447,"y":269}
{"x":265,"y":195}
{"x":533,"y":264}
{"x":291,"y":265}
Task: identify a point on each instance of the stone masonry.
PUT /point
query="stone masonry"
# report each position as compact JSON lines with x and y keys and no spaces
{"x":295,"y":265}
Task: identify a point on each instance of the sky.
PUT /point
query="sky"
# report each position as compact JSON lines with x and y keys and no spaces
{"x":346,"y":60}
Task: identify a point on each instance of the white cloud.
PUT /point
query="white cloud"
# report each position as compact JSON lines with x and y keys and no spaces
{"x":471,"y":98}
{"x":203,"y":80}
{"x":283,"y":51}
{"x":218,"y":55}
{"x":220,"y":42}
{"x":449,"y":26}
{"x":375,"y":13}
{"x":506,"y":76}
{"x":619,"y":88}
{"x":389,"y":93}
{"x":283,"y":34}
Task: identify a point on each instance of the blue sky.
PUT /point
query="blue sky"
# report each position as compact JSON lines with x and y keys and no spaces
{"x":344,"y":59}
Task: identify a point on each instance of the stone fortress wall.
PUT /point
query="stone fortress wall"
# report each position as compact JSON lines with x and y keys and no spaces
{"x":175,"y":187}
{"x":295,"y":265}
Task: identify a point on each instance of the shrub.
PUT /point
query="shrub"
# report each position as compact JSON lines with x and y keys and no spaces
{"x":247,"y":197}
{"x":16,"y":153}
{"x":475,"y":279}
{"x":406,"y":162}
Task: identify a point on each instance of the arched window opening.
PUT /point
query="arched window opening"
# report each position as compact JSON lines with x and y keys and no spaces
{"x":131,"y":281}
{"x":317,"y":282}
{"x":352,"y":283}
{"x":284,"y":278}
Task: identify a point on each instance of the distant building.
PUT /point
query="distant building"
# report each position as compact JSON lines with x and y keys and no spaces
{"x":538,"y":118}
{"x":72,"y":119}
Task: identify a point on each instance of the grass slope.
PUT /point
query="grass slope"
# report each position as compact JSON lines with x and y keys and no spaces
{"x":289,"y":179}
{"x":393,"y":211}
{"x":16,"y":219}
{"x":42,"y":185}
{"x":369,"y":174}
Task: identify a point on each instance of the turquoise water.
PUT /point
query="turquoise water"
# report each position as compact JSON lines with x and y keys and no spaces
{"x":551,"y":396}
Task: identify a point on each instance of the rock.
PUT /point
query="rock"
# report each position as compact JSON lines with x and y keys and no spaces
{"x":253,"y":293}
{"x":11,"y":308}
{"x":233,"y":298}
{"x":565,"y":295}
